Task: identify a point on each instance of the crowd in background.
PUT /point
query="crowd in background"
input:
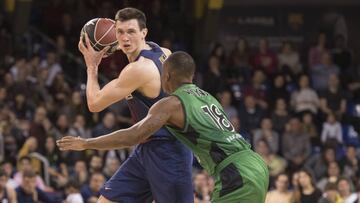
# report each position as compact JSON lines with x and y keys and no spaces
{"x":299,"y":111}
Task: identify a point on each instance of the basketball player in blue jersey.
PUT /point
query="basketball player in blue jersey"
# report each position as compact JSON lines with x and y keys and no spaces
{"x":160,"y":168}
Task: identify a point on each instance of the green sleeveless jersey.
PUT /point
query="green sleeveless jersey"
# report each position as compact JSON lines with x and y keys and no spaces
{"x":207,"y":131}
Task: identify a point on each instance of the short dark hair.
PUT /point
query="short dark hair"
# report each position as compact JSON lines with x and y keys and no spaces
{"x":131,"y":13}
{"x":181,"y":63}
{"x":29,"y":174}
{"x":330,"y":186}
{"x":73,"y":184}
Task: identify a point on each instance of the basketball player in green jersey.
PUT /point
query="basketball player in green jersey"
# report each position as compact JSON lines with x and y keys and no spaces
{"x":198,"y":120}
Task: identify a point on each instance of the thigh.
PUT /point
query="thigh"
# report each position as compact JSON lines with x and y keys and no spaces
{"x":128,"y":184}
{"x":169,"y":170}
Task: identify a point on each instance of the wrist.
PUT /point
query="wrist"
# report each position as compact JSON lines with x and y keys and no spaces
{"x":92,"y":69}
{"x":86,"y":143}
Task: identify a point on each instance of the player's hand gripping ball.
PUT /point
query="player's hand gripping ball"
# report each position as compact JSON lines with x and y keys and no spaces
{"x":101,"y":33}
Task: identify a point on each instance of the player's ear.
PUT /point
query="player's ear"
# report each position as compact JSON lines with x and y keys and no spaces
{"x":144,"y":31}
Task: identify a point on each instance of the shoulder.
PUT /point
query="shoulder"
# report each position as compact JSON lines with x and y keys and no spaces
{"x":166,"y":51}
{"x":169,"y":104}
{"x":140,"y":69}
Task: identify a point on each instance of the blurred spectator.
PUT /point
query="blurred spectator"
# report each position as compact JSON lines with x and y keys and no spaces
{"x":60,"y":89}
{"x":8,"y":168}
{"x":321,"y":72}
{"x":353,"y":84}
{"x":333,"y":175}
{"x":280,"y":116}
{"x":350,"y":164}
{"x":111,"y":166}
{"x":305,"y":98}
{"x":96,"y":164}
{"x":341,"y":54}
{"x":333,"y":100}
{"x":7,"y":194}
{"x":265,"y":59}
{"x":266,"y":132}
{"x":77,"y":106}
{"x":79,"y":127}
{"x":39,"y":126}
{"x":18,"y":69}
{"x":51,"y":63}
{"x":72,"y":190}
{"x":58,"y":170}
{"x":91,"y":192}
{"x":235,"y":121}
{"x":316,"y":51}
{"x":23,"y":167}
{"x":29,"y":192}
{"x":219,"y":52}
{"x":80,"y":173}
{"x":345,"y":189}
{"x":310,"y":128}
{"x":30,"y":146}
{"x":275,"y":163}
{"x":213,"y":81}
{"x":239,"y":68}
{"x":281,"y":193}
{"x":201,"y":187}
{"x":257,"y":88}
{"x":318,"y":163}
{"x":295,"y":181}
{"x":289,"y":60}
{"x":278,"y":90}
{"x":21,"y":107}
{"x":52,"y":153}
{"x":107,"y":126}
{"x":330,"y":195}
{"x":61,"y":126}
{"x":250,"y":114}
{"x":3,"y":96}
{"x":294,"y":152}
{"x":226,"y":101}
{"x":306,"y":191}
{"x":331,"y":133}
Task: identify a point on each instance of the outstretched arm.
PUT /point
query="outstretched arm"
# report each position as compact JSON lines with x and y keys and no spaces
{"x":160,"y":114}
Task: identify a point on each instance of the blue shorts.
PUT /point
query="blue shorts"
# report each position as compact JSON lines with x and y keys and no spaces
{"x":158,"y":170}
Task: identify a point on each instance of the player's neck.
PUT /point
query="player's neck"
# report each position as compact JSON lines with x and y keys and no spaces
{"x":132,"y":56}
{"x":178,"y":84}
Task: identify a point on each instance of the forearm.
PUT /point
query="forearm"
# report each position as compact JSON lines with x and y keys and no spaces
{"x":92,"y":86}
{"x":115,"y":140}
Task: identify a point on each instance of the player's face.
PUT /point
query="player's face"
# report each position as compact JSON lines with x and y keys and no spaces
{"x":129,"y":35}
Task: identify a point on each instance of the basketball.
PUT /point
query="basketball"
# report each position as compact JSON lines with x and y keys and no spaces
{"x":101,"y":32}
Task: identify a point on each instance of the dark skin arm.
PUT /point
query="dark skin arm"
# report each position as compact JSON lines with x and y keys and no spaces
{"x":167,"y":111}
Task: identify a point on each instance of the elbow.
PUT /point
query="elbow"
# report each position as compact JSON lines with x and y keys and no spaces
{"x":94,"y":108}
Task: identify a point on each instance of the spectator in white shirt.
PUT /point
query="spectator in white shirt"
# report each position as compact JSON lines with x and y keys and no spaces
{"x":331,"y":132}
{"x":72,"y":190}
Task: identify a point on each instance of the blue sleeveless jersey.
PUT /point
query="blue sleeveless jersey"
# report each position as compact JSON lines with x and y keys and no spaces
{"x":139,"y":104}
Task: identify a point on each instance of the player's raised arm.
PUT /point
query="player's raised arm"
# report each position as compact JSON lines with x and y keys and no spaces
{"x":159,"y":115}
{"x":132,"y":77}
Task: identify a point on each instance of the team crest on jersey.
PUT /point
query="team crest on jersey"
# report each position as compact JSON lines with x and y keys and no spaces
{"x":162,"y":58}
{"x":129,"y":97}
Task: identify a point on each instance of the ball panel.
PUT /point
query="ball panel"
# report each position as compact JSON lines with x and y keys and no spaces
{"x":104,"y":32}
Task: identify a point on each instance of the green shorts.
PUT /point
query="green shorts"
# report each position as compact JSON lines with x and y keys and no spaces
{"x":241,"y":178}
